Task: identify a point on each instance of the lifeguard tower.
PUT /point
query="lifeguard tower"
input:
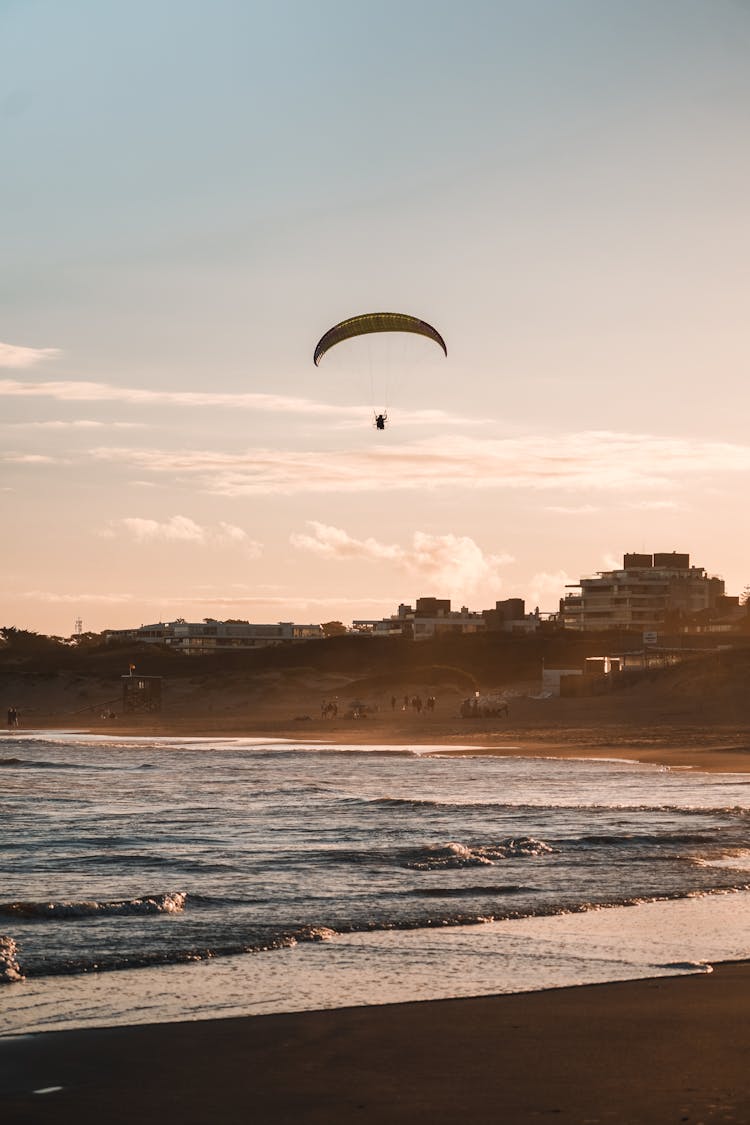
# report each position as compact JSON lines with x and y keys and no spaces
{"x":140,"y":694}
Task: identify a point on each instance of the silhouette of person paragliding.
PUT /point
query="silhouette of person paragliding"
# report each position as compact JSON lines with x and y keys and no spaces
{"x":380,"y":420}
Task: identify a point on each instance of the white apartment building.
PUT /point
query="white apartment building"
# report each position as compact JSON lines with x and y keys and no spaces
{"x":650,"y":592}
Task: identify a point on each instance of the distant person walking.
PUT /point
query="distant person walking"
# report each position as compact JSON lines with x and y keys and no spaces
{"x":12,"y":718}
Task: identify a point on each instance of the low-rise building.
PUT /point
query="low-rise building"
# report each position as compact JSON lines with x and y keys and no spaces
{"x":510,"y":616}
{"x":429,"y":617}
{"x":198,"y":637}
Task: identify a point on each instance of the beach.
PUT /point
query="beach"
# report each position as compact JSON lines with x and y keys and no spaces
{"x":651,"y":1052}
{"x":560,"y":728}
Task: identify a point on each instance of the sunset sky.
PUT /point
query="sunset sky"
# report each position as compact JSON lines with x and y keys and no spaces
{"x":193,"y":192}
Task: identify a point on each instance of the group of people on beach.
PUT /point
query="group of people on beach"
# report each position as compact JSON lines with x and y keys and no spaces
{"x":12,"y":718}
{"x":329,"y":707}
{"x":415,"y":702}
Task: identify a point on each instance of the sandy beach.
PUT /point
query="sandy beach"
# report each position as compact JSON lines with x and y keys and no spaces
{"x":559,"y":728}
{"x":658,"y":1051}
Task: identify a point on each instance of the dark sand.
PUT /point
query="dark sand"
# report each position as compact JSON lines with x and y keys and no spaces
{"x":659,"y":1051}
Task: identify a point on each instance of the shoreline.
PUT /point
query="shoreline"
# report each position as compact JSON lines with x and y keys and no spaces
{"x":709,"y":748}
{"x":650,"y":1051}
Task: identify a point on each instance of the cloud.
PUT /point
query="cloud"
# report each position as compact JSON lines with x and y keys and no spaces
{"x":356,"y":415}
{"x":596,"y":461}
{"x":76,"y":424}
{"x":176,"y":603}
{"x":545,"y":590}
{"x":449,"y":562}
{"x":181,"y":529}
{"x":572,"y":510}
{"x":175,"y":528}
{"x":228,"y":533}
{"x":333,"y":543}
{"x":26,"y":459}
{"x":12,"y":355}
{"x":75,"y":599}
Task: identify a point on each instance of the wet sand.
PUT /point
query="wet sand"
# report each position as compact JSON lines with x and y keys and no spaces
{"x":658,"y":1051}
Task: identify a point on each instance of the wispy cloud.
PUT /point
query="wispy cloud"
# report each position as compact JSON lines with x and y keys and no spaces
{"x":143,"y":396}
{"x":450,"y":562}
{"x":26,"y":459}
{"x":76,"y":599}
{"x":76,"y":424}
{"x":572,"y":509}
{"x":356,"y":415}
{"x":13,"y":355}
{"x":177,"y":603}
{"x":596,"y":461}
{"x":181,"y":529}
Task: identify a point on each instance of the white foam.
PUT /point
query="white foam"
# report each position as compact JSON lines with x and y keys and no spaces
{"x":10,"y":970}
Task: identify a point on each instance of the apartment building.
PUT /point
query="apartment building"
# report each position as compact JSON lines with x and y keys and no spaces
{"x":649,"y":593}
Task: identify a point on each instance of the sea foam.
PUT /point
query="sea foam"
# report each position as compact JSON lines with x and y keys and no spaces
{"x":9,"y":968}
{"x":170,"y":903}
{"x":436,"y":856}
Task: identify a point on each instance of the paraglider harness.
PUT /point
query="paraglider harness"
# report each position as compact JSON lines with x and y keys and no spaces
{"x":380,"y":420}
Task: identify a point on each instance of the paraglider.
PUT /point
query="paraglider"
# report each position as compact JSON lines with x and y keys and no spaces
{"x":375,"y":322}
{"x":368,"y":324}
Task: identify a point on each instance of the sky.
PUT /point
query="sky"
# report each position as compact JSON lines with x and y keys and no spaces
{"x":192,"y":193}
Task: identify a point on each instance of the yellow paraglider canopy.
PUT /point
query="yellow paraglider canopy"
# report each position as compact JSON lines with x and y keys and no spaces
{"x":375,"y":322}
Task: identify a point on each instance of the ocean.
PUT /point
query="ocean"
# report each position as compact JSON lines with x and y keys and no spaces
{"x":147,"y":879}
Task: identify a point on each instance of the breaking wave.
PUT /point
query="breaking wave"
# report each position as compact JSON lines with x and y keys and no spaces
{"x":9,"y":968}
{"x":437,"y":856}
{"x":171,"y":903}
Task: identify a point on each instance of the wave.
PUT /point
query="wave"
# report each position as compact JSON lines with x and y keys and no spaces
{"x":171,"y":903}
{"x":436,"y":856}
{"x":143,"y":862}
{"x":631,"y":838}
{"x":551,"y":806}
{"x":316,"y":932}
{"x":9,"y":968}
{"x":486,"y":889}
{"x":29,"y":763}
